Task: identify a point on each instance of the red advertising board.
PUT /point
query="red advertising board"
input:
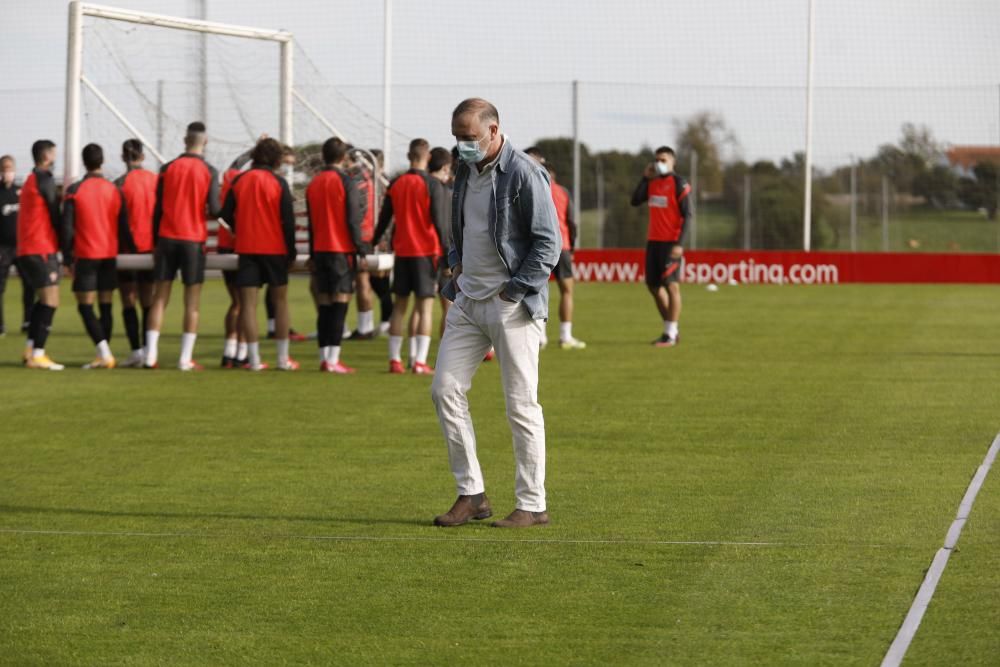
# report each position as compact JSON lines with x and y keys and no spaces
{"x":795,"y":267}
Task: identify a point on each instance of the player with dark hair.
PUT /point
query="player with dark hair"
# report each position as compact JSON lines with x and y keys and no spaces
{"x":186,"y":193}
{"x":412,"y":202}
{"x":564,"y":269}
{"x":10,"y":192}
{"x":234,"y":353}
{"x":335,"y":240}
{"x":39,"y":229}
{"x":379,"y":280}
{"x":259,"y":210}
{"x":288,"y":159}
{"x":97,"y":221}
{"x":666,"y":194}
{"x":440,"y":169}
{"x":362,"y":171}
{"x":138,"y":185}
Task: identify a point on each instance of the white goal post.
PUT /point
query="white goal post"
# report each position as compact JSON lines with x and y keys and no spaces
{"x":75,"y":77}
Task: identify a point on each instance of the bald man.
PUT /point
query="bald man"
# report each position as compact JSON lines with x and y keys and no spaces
{"x":504,"y":245}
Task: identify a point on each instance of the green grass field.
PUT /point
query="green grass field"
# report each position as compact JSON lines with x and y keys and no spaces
{"x":910,"y":230}
{"x":769,"y":492}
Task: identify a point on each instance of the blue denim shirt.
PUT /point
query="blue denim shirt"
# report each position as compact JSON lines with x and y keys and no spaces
{"x":524,"y":225}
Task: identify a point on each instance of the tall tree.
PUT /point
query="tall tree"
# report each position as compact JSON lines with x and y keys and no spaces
{"x":706,"y":134}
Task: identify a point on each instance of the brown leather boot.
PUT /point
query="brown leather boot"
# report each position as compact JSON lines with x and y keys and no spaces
{"x":523,"y":519}
{"x":465,"y":508}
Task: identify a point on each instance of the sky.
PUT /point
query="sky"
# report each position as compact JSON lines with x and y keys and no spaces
{"x":643,"y":67}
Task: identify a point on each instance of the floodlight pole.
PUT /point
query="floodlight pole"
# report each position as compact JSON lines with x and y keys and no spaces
{"x":74,"y":70}
{"x":807,"y":212}
{"x":693,"y":201}
{"x":387,"y":84}
{"x":576,"y":149}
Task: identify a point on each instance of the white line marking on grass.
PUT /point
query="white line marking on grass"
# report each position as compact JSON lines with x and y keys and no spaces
{"x":912,"y":621}
{"x":417,"y":538}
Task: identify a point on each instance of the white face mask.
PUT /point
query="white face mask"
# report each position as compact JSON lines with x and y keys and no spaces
{"x":472,"y":151}
{"x":662,"y":168}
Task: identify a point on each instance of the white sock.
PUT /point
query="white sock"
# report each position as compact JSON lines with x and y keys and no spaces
{"x":253,"y":353}
{"x":230,"y":349}
{"x":30,"y":344}
{"x":282,"y":345}
{"x":347,"y":330}
{"x":324,"y":353}
{"x":152,"y":347}
{"x":414,"y":348}
{"x":241,"y":350}
{"x":366,"y":321}
{"x":565,"y":331}
{"x":270,"y":325}
{"x":334,"y":354}
{"x":187,"y":347}
{"x":38,"y":352}
{"x":395,"y":348}
{"x":423,"y":348}
{"x":670,"y":328}
{"x":104,"y":350}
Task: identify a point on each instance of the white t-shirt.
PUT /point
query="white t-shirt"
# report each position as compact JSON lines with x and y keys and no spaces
{"x":483,"y":271}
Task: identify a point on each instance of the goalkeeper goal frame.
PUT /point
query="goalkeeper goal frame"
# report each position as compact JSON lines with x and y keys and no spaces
{"x":76,"y":79}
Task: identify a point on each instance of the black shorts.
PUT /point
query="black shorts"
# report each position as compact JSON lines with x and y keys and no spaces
{"x":39,"y":270}
{"x":228,"y":276}
{"x":95,"y":275}
{"x":334,"y":272}
{"x":187,"y":256}
{"x":415,"y":274}
{"x":141,"y":277}
{"x":661,"y":269}
{"x":564,"y":268}
{"x":256,"y":270}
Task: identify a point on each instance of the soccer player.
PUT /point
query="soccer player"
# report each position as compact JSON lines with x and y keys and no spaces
{"x":259,"y":210}
{"x":564,"y":269}
{"x":39,"y":229}
{"x":439,"y":168}
{"x":96,"y":220}
{"x":335,"y":241}
{"x":413,"y":202}
{"x":10,"y":192}
{"x":362,"y":172}
{"x":234,"y":353}
{"x":666,"y":194}
{"x":380,"y":279}
{"x":186,"y":192}
{"x":138,"y":185}
{"x":288,"y":172}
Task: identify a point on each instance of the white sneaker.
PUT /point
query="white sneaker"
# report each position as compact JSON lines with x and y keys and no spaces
{"x":189,"y":366}
{"x":572,"y":344}
{"x":383,"y":329}
{"x":134,"y":360}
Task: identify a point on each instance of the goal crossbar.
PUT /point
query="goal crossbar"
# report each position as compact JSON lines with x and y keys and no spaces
{"x":180,"y":23}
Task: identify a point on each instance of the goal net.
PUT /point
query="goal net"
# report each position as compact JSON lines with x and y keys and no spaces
{"x":136,"y":74}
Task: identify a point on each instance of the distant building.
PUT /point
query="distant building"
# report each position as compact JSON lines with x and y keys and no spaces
{"x":964,"y":158}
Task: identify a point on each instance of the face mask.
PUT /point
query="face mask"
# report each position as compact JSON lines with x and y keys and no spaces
{"x":471,"y":151}
{"x":662,"y":168}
